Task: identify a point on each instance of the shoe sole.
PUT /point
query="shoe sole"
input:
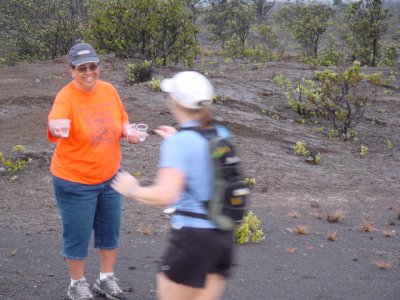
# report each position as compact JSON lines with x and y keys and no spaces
{"x":69,"y":297}
{"x":98,"y":291}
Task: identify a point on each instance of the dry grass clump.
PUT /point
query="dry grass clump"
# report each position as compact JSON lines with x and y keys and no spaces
{"x":389,"y":233}
{"x":383,"y":265}
{"x":335,"y":216}
{"x":302,"y":229}
{"x":294,"y":214}
{"x":367,"y":225}
{"x":146,"y":230}
{"x":332,"y":236}
{"x":291,"y":250}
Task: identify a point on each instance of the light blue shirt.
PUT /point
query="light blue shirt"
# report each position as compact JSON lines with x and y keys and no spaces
{"x":188,"y":152}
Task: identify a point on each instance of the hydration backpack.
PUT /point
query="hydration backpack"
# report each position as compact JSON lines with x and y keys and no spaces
{"x":228,"y":204}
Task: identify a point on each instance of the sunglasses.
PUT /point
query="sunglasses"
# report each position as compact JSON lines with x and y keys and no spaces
{"x":84,"y":69}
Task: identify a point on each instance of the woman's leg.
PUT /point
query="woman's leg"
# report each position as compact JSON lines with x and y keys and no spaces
{"x":169,"y":290}
{"x":107,"y":260}
{"x":76,"y":268}
{"x":107,"y":225}
{"x":214,"y":288}
{"x":77,"y":204}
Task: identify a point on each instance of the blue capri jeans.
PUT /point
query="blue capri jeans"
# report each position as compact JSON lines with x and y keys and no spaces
{"x":85,"y":208}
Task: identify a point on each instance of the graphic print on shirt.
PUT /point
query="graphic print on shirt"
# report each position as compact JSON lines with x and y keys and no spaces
{"x":99,"y":121}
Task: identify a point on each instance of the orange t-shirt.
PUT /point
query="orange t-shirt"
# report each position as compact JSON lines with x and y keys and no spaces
{"x":91,"y":154}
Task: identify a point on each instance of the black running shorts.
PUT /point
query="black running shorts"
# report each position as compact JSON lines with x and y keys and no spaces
{"x":192,"y":253}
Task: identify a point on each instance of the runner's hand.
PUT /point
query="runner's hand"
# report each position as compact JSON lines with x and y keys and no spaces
{"x":125,"y":184}
{"x":165,"y":131}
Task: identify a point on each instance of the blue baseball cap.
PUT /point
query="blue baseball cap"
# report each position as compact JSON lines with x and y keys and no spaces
{"x":82,"y":53}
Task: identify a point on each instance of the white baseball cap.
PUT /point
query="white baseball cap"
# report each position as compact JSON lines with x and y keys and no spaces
{"x":190,"y":89}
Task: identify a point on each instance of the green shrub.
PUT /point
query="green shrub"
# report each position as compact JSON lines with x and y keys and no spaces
{"x":13,"y":166}
{"x":329,"y":57}
{"x":139,"y":73}
{"x":40,"y":29}
{"x":363,"y":151}
{"x":301,"y":149}
{"x":336,"y":97}
{"x":250,"y":182}
{"x":154,"y":30}
{"x":155,"y":85}
{"x":390,"y":55}
{"x":220,"y":99}
{"x":232,"y":47}
{"x":248,"y":231}
{"x":389,"y":145}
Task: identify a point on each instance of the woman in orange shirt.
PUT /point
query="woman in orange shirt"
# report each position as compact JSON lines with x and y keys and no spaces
{"x":83,"y":165}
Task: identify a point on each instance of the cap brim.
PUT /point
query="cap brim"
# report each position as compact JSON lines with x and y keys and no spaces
{"x":84,"y":60}
{"x":166,"y":85}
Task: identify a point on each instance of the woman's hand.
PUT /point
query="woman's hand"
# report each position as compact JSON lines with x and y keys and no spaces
{"x":125,"y":184}
{"x":165,"y":131}
{"x":132,"y":137}
{"x":55,"y":128}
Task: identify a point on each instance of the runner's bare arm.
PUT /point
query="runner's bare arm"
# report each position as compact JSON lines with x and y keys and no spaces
{"x":168,"y":185}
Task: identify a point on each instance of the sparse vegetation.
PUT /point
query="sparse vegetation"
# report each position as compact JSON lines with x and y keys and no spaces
{"x":149,"y":28}
{"x":40,"y":29}
{"x":249,"y":230}
{"x":312,"y":157}
{"x":301,"y":149}
{"x":13,"y":166}
{"x":389,"y":233}
{"x":307,"y":22}
{"x":139,"y":72}
{"x":335,"y":216}
{"x":333,"y":96}
{"x":383,"y":265}
{"x":18,"y":149}
{"x":137,"y":174}
{"x":365,"y":22}
{"x":389,"y":145}
{"x":251,"y":182}
{"x":155,"y":85}
{"x":291,"y":250}
{"x":146,"y":230}
{"x":367,"y":225}
{"x":166,"y":31}
{"x":332,"y":236}
{"x":302,"y":229}
{"x":363,"y":151}
{"x":220,"y":99}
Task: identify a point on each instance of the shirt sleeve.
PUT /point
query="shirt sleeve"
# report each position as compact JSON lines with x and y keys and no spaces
{"x":124,"y":114}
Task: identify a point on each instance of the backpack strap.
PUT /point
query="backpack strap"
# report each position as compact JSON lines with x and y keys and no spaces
{"x":207,"y":133}
{"x":190,"y":214}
